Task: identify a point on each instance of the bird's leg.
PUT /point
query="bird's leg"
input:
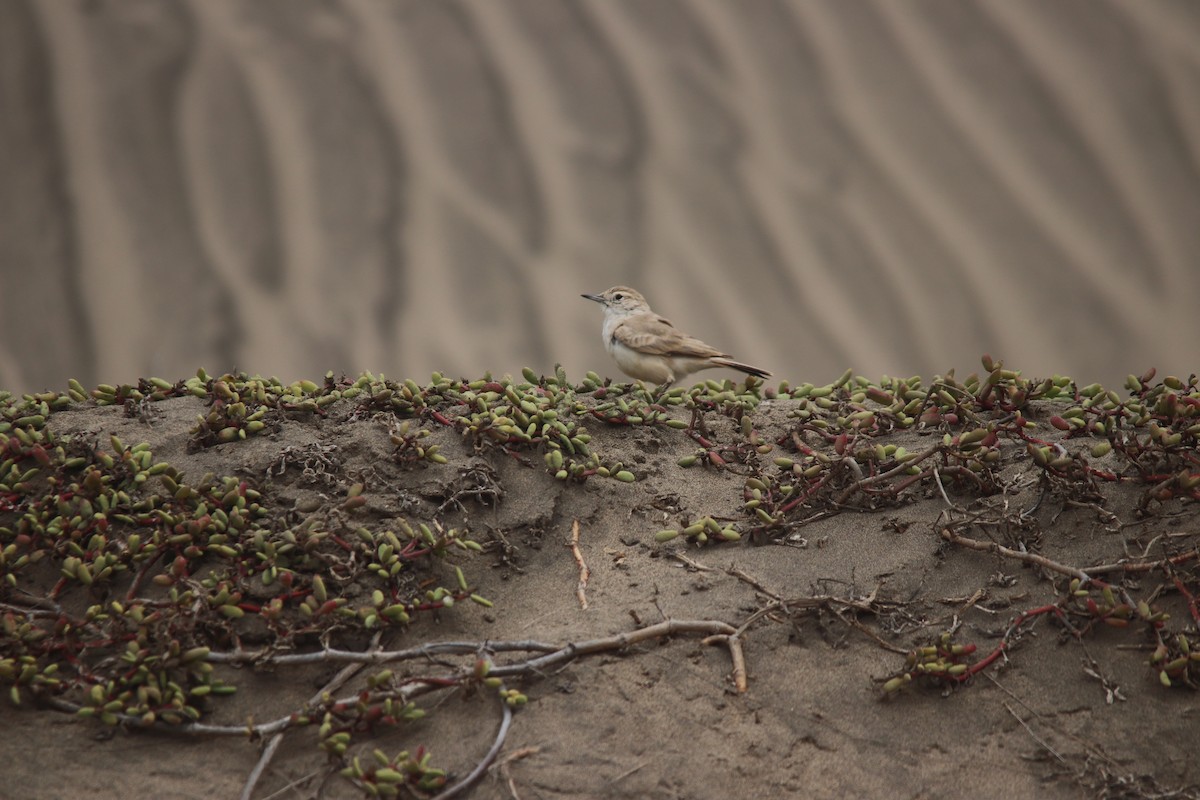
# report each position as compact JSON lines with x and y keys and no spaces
{"x":697,"y":429}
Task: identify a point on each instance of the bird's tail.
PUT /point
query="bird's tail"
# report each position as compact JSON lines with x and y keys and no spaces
{"x":746,"y":368}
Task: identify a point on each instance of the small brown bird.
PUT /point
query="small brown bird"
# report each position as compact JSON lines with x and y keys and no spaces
{"x":649,"y":348}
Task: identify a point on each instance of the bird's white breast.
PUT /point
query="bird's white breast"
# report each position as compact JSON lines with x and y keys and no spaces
{"x":641,"y":366}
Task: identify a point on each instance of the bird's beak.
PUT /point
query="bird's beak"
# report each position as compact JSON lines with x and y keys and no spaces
{"x":594,"y":297}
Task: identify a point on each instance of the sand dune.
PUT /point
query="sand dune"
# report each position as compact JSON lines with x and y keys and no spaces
{"x":291,"y":187}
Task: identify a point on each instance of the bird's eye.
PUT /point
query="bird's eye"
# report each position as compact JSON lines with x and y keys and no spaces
{"x":618,"y":296}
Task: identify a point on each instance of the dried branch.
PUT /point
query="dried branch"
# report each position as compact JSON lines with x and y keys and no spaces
{"x":485,"y":762}
{"x":1144,"y":566}
{"x":584,"y":572}
{"x":417,"y":687}
{"x":428,"y":651}
{"x":949,"y":535}
{"x":866,"y":483}
{"x":336,"y":682}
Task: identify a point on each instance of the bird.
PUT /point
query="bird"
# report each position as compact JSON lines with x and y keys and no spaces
{"x":648,"y":347}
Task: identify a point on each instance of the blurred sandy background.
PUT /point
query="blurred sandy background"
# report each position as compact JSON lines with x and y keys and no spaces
{"x":292,"y":186}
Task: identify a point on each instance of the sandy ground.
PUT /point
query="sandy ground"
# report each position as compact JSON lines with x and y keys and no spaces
{"x":416,"y":185}
{"x":1060,"y":717}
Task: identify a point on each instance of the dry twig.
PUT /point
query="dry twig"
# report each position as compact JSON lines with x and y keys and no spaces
{"x":417,"y":687}
{"x":487,"y":759}
{"x":502,"y":766}
{"x":584,"y":572}
{"x":335,"y":683}
{"x":427,"y":651}
{"x":1029,"y":558}
{"x":688,"y":562}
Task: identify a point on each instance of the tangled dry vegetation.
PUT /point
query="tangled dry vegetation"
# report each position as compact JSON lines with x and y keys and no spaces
{"x":132,"y":592}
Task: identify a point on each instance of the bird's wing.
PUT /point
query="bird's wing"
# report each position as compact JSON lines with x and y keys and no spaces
{"x":654,"y":335}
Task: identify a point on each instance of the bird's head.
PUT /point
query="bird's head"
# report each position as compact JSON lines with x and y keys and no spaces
{"x":620,"y":298}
